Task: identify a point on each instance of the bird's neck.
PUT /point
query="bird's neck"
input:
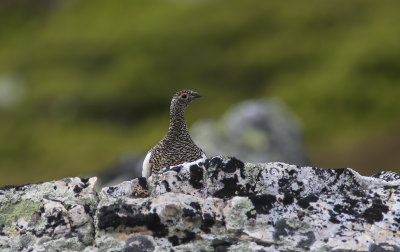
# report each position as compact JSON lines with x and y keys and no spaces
{"x":177,"y":124}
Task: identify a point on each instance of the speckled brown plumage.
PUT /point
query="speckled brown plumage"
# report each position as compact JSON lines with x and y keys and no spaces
{"x":177,"y":146}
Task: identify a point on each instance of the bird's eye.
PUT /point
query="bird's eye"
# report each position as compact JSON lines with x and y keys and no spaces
{"x":184,"y":96}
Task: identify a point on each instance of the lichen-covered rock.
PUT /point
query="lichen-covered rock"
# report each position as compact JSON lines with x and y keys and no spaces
{"x":51,"y":216}
{"x":226,"y":205}
{"x":222,"y":204}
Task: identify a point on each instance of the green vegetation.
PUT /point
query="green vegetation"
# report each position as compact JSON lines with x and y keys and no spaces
{"x":82,"y":82}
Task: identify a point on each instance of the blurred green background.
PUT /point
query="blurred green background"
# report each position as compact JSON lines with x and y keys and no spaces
{"x":82,"y":82}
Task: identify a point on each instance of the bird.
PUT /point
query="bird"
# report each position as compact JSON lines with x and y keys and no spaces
{"x":177,"y":146}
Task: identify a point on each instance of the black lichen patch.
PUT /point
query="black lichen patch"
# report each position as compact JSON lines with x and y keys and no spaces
{"x":174,"y":240}
{"x":263,"y":203}
{"x":188,"y":213}
{"x":187,"y":236}
{"x":232,"y":188}
{"x":292,"y":173}
{"x":350,"y":182}
{"x":374,"y":213}
{"x":56,"y":220}
{"x":283,"y":182}
{"x":178,"y":178}
{"x":349,"y":206}
{"x":214,"y":174}
{"x":87,"y":208}
{"x":17,"y":188}
{"x":358,"y":193}
{"x":206,"y":223}
{"x":151,"y":221}
{"x":216,"y":162}
{"x":166,"y":185}
{"x":78,"y":189}
{"x":305,"y":202}
{"x":85,"y":180}
{"x":232,"y":165}
{"x":337,"y":173}
{"x":242,"y":175}
{"x":229,"y":189}
{"x":288,"y":199}
{"x":111,"y":189}
{"x":120,"y":214}
{"x":196,"y":176}
{"x":282,"y":229}
{"x":285,"y":185}
{"x":195,"y":205}
{"x":333,"y":218}
{"x":177,"y":169}
{"x":143,"y":182}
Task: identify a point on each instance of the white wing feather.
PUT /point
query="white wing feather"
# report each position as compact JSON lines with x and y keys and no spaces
{"x":146,"y":170}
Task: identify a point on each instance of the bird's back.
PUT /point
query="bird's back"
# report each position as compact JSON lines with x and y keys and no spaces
{"x":173,"y":151}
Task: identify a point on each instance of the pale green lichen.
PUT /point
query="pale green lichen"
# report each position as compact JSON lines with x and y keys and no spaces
{"x":235,"y":212}
{"x":10,"y":213}
{"x":309,"y":212}
{"x":390,"y":192}
{"x":350,"y":180}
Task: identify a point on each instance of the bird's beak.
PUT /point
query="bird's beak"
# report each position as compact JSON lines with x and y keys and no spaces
{"x":196,"y":95}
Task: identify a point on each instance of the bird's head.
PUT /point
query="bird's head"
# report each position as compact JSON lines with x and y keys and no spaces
{"x":185,"y":97}
{"x":182,"y":99}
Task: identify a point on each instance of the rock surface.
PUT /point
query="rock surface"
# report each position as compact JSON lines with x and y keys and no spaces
{"x":220,"y":205}
{"x":51,"y":216}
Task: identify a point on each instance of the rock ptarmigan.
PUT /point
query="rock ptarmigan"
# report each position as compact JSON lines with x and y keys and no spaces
{"x":177,"y":146}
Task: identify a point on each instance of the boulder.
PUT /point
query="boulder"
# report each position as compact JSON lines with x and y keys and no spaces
{"x":221,"y":204}
{"x":259,"y":130}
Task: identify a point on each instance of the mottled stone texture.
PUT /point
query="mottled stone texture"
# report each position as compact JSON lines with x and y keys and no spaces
{"x":51,"y":216}
{"x":220,"y":205}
